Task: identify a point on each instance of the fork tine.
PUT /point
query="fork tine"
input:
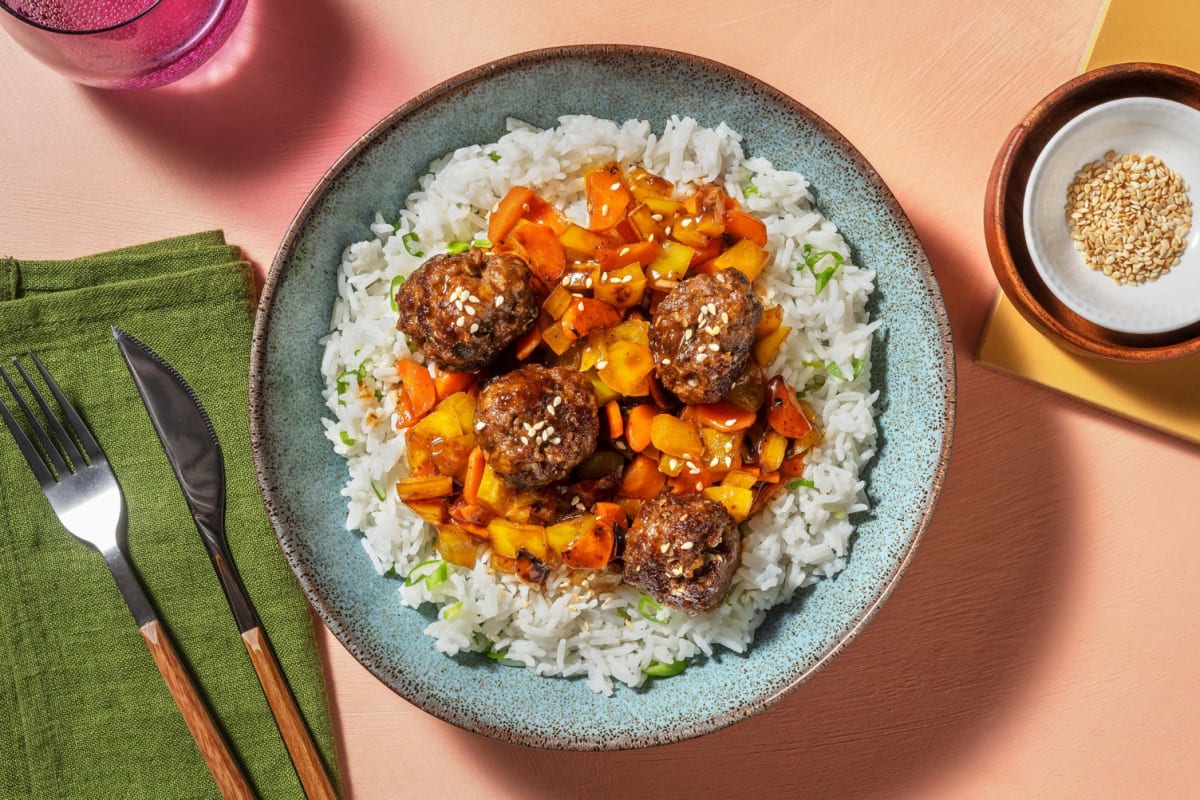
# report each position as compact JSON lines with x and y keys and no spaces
{"x":47,"y":443}
{"x":44,"y":476}
{"x":90,"y":445}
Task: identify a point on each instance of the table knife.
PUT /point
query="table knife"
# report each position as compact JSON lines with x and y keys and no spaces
{"x":187,"y":436}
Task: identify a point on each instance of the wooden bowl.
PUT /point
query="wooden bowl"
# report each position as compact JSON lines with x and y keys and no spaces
{"x":1003,"y":212}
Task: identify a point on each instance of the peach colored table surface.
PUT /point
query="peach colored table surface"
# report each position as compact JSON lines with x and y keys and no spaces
{"x":1045,"y":641}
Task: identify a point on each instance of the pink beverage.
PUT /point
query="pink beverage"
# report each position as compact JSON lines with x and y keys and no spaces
{"x":121,"y":44}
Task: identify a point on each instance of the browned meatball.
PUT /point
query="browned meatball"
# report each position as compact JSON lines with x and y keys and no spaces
{"x":683,"y":550}
{"x":702,"y":334}
{"x":536,"y":424}
{"x":464,"y":309}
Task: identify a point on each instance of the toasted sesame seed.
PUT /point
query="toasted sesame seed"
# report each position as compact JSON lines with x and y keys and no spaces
{"x":557,"y":401}
{"x":604,"y":210}
{"x":499,"y":301}
{"x":601,"y":364}
{"x":580,"y":306}
{"x":687,"y":545}
{"x":556,"y":440}
{"x":624,"y":251}
{"x":460,"y":321}
{"x":656,"y":217}
{"x":716,"y":348}
{"x":664,"y":547}
{"x":685,"y":223}
{"x":666,"y":362}
{"x":615,"y":186}
{"x":474,"y":328}
{"x":479,"y":425}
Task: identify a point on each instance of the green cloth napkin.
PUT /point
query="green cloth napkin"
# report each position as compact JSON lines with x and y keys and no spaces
{"x":83,"y":711}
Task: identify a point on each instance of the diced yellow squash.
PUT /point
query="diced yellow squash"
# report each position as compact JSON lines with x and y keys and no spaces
{"x":463,"y":406}
{"x":591,"y":351}
{"x":675,"y":437}
{"x":644,"y":224}
{"x":560,"y":535}
{"x":670,"y":465}
{"x":672,"y":263}
{"x":424,"y":488}
{"x":580,"y":241}
{"x":621,"y":288}
{"x":450,"y":455}
{"x":631,"y":330}
{"x":745,"y":256}
{"x":432,"y":510}
{"x":456,"y":546}
{"x":740,"y":478}
{"x":737,"y":501}
{"x":774,"y":448}
{"x":772,"y":318}
{"x":509,"y":538}
{"x":557,"y":339}
{"x":558,"y":301}
{"x":626,"y":368}
{"x":645,"y":184}
{"x":722,"y":451}
{"x":604,"y":392}
{"x":493,"y":493}
{"x":662,"y":205}
{"x":766,"y":348}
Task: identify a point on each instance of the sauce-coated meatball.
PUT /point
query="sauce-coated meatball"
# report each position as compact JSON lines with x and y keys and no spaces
{"x":464,"y":309}
{"x":535,"y":424}
{"x":702,"y":334}
{"x":683,"y":550}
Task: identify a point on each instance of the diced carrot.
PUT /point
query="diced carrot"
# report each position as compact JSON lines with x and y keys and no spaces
{"x":506,"y":213}
{"x":708,"y":252}
{"x":741,"y":225}
{"x":611,"y":513}
{"x":637,"y":429}
{"x":658,"y":394}
{"x":607,"y":196}
{"x":417,"y":386}
{"x":475,"y":465}
{"x":612,"y":415}
{"x":792,"y":467}
{"x":405,"y":417}
{"x":618,"y":256}
{"x":586,"y":315}
{"x":447,"y":383}
{"x":528,"y":342}
{"x":642,"y":479}
{"x":725,"y":417}
{"x":547,"y":259}
{"x":544,"y":213}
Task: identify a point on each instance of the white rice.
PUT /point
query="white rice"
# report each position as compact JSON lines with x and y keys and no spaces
{"x":568,"y":628}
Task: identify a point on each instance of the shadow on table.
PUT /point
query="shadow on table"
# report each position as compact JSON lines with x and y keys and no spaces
{"x":920,"y":688}
{"x":284,"y":68}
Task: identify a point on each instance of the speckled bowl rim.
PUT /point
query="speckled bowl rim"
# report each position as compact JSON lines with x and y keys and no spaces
{"x":258,"y":355}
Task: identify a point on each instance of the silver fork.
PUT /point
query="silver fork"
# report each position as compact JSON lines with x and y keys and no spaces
{"x":85,"y":495}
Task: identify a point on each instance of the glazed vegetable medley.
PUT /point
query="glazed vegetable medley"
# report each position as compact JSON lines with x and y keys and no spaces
{"x":612,"y":305}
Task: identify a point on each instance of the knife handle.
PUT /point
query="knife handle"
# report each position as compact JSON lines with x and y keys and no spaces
{"x":221,"y":763}
{"x":299,"y":742}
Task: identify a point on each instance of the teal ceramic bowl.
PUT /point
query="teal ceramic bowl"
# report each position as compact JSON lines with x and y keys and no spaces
{"x":912,"y":365}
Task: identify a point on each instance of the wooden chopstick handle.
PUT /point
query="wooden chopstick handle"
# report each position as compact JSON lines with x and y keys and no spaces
{"x":299,"y":742}
{"x":221,"y":763}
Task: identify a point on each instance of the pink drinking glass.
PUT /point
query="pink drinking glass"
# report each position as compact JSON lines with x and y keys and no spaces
{"x":121,"y":44}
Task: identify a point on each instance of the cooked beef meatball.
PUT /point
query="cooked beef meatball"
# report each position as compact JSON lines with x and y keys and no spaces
{"x":536,"y":424}
{"x":464,"y":309}
{"x":683,"y":550}
{"x":702,"y":334}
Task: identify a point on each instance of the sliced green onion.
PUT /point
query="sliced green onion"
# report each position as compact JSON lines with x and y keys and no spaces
{"x":423,"y":570}
{"x":657,"y":669}
{"x":813,"y":257}
{"x":457,"y":246}
{"x":379,"y":491}
{"x":652,"y":611}
{"x":408,"y":239}
{"x":397,"y":282}
{"x":495,"y":157}
{"x":346,"y":440}
{"x":484,"y":243}
{"x":833,"y":369}
{"x":496,"y":655}
{"x":857,"y":365}
{"x":623,"y":614}
{"x":750,"y":190}
{"x":839,"y":515}
{"x":437,"y":577}
{"x":796,"y":484}
{"x":450,"y":612}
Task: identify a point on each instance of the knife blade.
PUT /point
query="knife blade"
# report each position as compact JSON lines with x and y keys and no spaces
{"x":190,"y":442}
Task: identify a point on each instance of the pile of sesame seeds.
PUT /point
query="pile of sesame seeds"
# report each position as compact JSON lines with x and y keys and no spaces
{"x":1129,"y":215}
